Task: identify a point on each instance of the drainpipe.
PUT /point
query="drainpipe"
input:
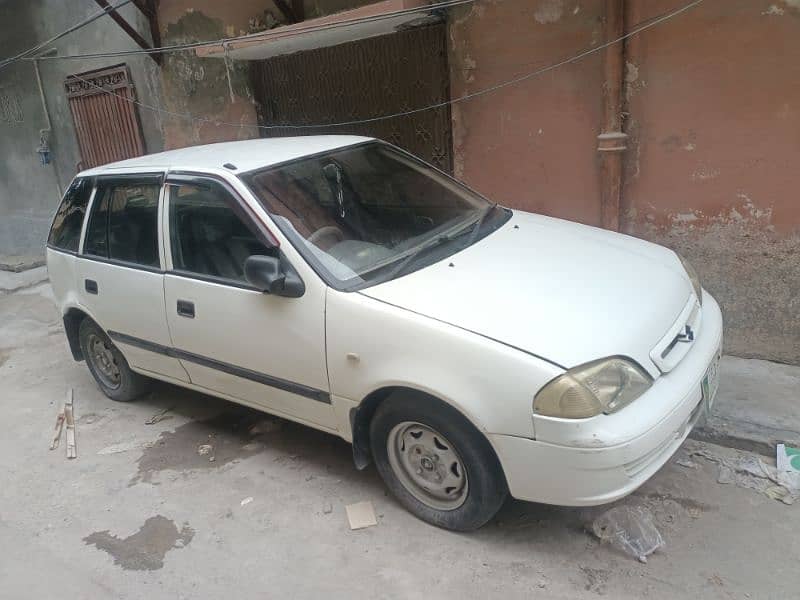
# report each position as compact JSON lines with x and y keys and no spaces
{"x":45,"y":133}
{"x":611,"y":143}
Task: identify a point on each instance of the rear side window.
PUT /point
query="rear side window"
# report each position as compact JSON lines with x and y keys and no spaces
{"x":124,"y":223}
{"x":206,"y":235}
{"x":66,"y":230}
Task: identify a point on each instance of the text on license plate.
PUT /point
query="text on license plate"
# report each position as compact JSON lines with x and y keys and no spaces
{"x":710,"y":383}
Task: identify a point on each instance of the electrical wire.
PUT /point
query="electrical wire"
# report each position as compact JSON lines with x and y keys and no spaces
{"x":636,"y":30}
{"x":93,"y":17}
{"x":272,"y":33}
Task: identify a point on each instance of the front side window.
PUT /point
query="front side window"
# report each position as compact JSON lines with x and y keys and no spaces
{"x":123,"y":225}
{"x":369,"y":213}
{"x":206,"y":236}
{"x":65,"y":232}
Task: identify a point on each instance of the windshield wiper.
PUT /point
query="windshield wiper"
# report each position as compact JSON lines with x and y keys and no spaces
{"x":438,"y":241}
{"x":477,"y":227}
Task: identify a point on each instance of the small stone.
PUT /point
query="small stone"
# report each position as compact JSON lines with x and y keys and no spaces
{"x":247,"y":500}
{"x":204,"y":449}
{"x":327,"y":509}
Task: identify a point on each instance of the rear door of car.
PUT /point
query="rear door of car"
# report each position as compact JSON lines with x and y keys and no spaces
{"x":264,"y":350}
{"x":64,"y":239}
{"x":120,"y":276}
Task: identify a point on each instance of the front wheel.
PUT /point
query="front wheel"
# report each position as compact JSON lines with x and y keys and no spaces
{"x":107,"y":365}
{"x":437,"y":464}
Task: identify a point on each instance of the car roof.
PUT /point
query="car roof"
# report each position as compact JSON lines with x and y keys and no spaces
{"x":245,"y":155}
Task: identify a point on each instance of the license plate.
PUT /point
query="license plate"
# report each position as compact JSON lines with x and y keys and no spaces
{"x":710,"y":383}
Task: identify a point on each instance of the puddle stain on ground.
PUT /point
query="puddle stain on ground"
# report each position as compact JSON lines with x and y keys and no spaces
{"x":145,"y":549}
{"x":177,"y":450}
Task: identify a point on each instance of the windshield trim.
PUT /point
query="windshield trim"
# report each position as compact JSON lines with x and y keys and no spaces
{"x":356,"y":284}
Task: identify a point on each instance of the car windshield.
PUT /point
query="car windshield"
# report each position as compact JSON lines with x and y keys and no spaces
{"x":365,"y":214}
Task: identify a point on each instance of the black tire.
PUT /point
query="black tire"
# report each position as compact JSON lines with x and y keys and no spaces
{"x":124,"y":388}
{"x":486,"y":485}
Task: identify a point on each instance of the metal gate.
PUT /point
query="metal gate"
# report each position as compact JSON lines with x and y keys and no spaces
{"x":360,"y":80}
{"x":106,"y":124}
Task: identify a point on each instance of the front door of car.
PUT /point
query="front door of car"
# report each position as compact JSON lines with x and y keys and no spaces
{"x":119,"y":270}
{"x":263,"y":350}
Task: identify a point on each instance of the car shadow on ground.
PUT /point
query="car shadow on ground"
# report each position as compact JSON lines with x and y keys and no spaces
{"x":236,"y":432}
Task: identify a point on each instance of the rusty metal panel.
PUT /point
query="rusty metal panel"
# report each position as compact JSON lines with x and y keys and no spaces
{"x":106,"y":124}
{"x":360,"y":80}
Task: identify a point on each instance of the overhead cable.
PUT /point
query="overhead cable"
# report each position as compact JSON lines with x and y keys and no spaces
{"x":93,"y":17}
{"x":296,"y":29}
{"x":589,"y":51}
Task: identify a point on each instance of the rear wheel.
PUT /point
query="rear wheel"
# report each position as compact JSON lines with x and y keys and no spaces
{"x":107,"y":365}
{"x":436,"y":463}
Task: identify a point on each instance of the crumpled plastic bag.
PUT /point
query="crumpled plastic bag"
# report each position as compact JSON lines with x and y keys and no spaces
{"x":630,"y":529}
{"x":753,"y":473}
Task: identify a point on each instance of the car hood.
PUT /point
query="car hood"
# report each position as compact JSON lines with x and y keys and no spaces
{"x":565,"y":292}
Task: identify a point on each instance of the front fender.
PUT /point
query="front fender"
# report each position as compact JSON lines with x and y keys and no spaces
{"x":372,"y":345}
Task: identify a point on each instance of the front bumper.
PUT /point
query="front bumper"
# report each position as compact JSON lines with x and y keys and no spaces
{"x":601,"y":465}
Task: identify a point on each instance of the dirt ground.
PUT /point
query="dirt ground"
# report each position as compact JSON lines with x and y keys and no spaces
{"x":141,"y":513}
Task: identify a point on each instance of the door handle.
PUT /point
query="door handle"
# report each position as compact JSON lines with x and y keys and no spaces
{"x":186,"y":308}
{"x":90,"y":285}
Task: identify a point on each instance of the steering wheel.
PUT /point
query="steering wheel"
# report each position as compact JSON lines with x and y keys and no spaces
{"x":329,"y":232}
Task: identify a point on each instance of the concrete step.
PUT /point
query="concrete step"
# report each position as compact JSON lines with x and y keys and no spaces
{"x":11,"y":281}
{"x":757,"y":406}
{"x":20,"y":262}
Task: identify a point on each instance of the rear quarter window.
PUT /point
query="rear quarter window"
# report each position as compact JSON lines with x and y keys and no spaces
{"x":65,"y":232}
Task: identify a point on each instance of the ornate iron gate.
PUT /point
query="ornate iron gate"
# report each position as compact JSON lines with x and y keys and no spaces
{"x":361,"y":80}
{"x":107,"y":125}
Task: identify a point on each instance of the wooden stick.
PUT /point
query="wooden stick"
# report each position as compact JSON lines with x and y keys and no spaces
{"x":72,"y":451}
{"x":57,"y":431}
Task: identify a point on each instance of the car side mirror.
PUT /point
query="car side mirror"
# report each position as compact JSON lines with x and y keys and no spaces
{"x":274,"y":276}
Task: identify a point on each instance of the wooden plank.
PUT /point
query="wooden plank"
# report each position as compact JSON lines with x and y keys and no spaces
{"x":57,"y":431}
{"x":299,"y":10}
{"x":155,"y":31}
{"x":288,"y":11}
{"x":127,"y":28}
{"x":69,"y":418}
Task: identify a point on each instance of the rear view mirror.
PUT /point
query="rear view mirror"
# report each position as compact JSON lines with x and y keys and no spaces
{"x":273,"y":276}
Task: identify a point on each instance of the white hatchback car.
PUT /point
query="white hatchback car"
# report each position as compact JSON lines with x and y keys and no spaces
{"x":469,"y":350}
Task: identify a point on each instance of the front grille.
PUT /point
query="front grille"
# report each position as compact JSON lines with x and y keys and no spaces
{"x":679,"y":338}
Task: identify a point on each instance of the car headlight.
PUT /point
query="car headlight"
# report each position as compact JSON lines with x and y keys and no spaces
{"x":601,"y":386}
{"x":698,"y":290}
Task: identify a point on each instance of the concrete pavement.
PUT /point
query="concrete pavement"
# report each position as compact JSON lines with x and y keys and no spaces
{"x":20,"y":262}
{"x":11,"y":281}
{"x":141,"y":513}
{"x":757,"y":407}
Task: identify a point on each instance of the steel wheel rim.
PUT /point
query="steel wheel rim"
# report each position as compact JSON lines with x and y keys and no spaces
{"x":427,"y":465}
{"x":104,"y":361}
